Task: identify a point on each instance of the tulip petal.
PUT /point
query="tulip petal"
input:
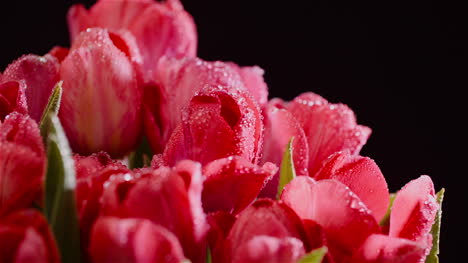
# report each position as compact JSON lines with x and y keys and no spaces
{"x":115,"y":15}
{"x":329,"y":128}
{"x":164,"y":30}
{"x":384,"y":249}
{"x":12,"y":98}
{"x":346,"y":221}
{"x":133,"y":240}
{"x":101,"y":99}
{"x":362,"y":176}
{"x":262,"y":248}
{"x":265,"y":217}
{"x":37,"y":244}
{"x":78,"y":20}
{"x":220,"y":224}
{"x":233,"y":183}
{"x":254,"y":82}
{"x":22,"y":162}
{"x":280,"y":127}
{"x":60,"y":53}
{"x":414,"y":210}
{"x":219,"y":122}
{"x":40,"y":75}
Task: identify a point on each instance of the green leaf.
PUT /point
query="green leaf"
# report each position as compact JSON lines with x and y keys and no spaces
{"x":287,"y":171}
{"x":435,"y":231}
{"x":53,"y":105}
{"x":60,"y":206}
{"x":315,"y":256}
{"x":386,"y":219}
{"x":141,"y":157}
{"x":208,"y":255}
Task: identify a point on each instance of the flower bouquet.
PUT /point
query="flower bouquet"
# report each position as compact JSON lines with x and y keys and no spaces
{"x":127,"y":147}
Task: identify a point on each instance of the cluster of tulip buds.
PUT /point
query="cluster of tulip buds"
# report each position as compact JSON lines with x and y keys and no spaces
{"x":127,"y":147}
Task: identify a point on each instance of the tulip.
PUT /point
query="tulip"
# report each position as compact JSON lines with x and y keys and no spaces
{"x":328,"y":128}
{"x":267,"y":231}
{"x":362,"y":176}
{"x":178,"y":80}
{"x":133,"y":240}
{"x":92,"y":172}
{"x":219,"y":122}
{"x":160,"y":28}
{"x":100,"y":109}
{"x":233,"y":183}
{"x":22,"y":162}
{"x":351,"y":230}
{"x":39,"y":75}
{"x":25,"y":237}
{"x":169,"y":197}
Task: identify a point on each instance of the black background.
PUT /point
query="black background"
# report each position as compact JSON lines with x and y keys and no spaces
{"x":400,"y":65}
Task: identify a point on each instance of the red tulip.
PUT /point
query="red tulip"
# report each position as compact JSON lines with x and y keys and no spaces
{"x":40,"y":74}
{"x":219,"y":122}
{"x":233,"y":183}
{"x":22,"y":162}
{"x":25,"y":237}
{"x":100,"y":109}
{"x":170,"y":197}
{"x":220,"y":224}
{"x":92,"y":172}
{"x":12,"y":98}
{"x":267,"y":231}
{"x":160,"y":28}
{"x":133,"y":240}
{"x":178,"y":80}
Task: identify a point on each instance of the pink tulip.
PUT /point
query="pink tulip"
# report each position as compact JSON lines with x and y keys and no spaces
{"x":133,"y":240}
{"x":160,"y":28}
{"x":362,"y":176}
{"x":219,"y":122}
{"x":100,"y":109}
{"x":178,"y":80}
{"x":267,"y":231}
{"x":170,"y":197}
{"x":39,"y":76}
{"x":233,"y":183}
{"x":25,"y":237}
{"x":22,"y":162}
{"x":351,"y":231}
{"x":328,"y":128}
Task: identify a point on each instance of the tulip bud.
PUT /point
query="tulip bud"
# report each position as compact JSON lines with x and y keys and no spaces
{"x":38,"y":74}
{"x":100,"y":108}
{"x":22,"y":162}
{"x":160,"y":28}
{"x":25,"y":237}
